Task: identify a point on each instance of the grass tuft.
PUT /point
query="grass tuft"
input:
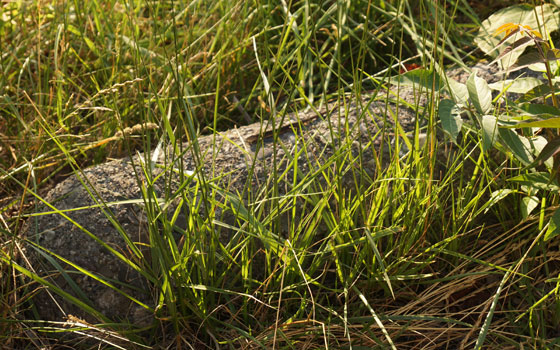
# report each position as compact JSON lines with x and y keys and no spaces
{"x":416,"y":253}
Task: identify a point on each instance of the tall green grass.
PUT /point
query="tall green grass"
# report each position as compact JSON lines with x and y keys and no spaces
{"x":402,"y":252}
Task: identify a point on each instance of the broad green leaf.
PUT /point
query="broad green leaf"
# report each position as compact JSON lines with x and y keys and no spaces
{"x":480,"y":94}
{"x":511,"y":50}
{"x":497,"y":196}
{"x":542,"y":90}
{"x":489,"y":131}
{"x":553,"y":226}
{"x":518,"y":86}
{"x":541,"y":67}
{"x":450,"y":116}
{"x":518,"y":145}
{"x":539,"y":144}
{"x":524,"y":14}
{"x":536,"y":109}
{"x":528,"y":204}
{"x":547,"y":123}
{"x":458,"y":91}
{"x":420,"y":78}
{"x":547,"y":152}
{"x":532,"y":59}
{"x":539,"y":181}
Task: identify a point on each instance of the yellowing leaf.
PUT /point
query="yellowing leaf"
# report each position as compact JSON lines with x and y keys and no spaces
{"x":508,"y":28}
{"x":512,"y":28}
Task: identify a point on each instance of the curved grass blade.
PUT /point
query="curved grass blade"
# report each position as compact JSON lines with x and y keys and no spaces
{"x":375,"y":317}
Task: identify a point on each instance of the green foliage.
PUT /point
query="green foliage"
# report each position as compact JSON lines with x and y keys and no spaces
{"x":516,"y":128}
{"x":85,"y":80}
{"x":544,"y":17}
{"x":526,"y":130}
{"x":450,"y":115}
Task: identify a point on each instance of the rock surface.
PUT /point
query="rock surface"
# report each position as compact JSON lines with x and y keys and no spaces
{"x":240,"y":159}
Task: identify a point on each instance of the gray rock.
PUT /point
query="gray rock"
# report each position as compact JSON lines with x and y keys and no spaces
{"x":240,"y":160}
